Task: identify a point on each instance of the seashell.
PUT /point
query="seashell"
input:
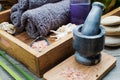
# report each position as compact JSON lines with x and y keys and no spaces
{"x":66,"y":28}
{"x":59,"y":36}
{"x":112,"y":41}
{"x":62,"y":31}
{"x":8,"y":27}
{"x":112,"y":30}
{"x":111,"y":20}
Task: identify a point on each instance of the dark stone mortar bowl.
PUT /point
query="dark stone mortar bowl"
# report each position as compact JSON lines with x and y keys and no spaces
{"x":88,"y":48}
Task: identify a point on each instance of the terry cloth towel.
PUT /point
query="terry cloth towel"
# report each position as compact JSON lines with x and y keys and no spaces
{"x":30,"y":4}
{"x":16,"y":14}
{"x":39,"y":21}
{"x":23,"y":5}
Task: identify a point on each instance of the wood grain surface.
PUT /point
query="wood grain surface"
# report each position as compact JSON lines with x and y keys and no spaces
{"x":95,"y":72}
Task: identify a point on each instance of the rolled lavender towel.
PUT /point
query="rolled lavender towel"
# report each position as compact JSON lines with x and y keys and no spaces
{"x":15,"y":8}
{"x":39,"y":21}
{"x":15,"y":16}
{"x":23,"y":5}
{"x":30,"y":4}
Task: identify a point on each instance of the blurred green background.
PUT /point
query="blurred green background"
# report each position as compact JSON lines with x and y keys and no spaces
{"x":109,"y":4}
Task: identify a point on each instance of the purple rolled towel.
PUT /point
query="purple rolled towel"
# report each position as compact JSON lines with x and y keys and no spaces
{"x":14,"y":8}
{"x":23,"y":5}
{"x":30,"y":4}
{"x":16,"y":14}
{"x":39,"y":21}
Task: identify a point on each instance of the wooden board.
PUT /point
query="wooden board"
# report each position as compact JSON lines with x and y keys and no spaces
{"x":95,"y":72}
{"x":113,"y":12}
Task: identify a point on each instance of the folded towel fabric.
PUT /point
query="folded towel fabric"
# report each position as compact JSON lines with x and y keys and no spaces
{"x":14,"y":8}
{"x":23,"y":5}
{"x":39,"y":21}
{"x":30,"y":4}
{"x":16,"y":16}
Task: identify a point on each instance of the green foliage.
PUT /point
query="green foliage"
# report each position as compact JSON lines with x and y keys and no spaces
{"x":109,"y":4}
{"x":117,"y":3}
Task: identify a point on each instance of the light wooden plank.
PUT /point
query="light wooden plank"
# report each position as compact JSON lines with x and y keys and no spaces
{"x":113,"y":12}
{"x":95,"y":72}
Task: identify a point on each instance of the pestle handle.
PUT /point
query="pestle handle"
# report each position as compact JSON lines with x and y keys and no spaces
{"x":92,"y":22}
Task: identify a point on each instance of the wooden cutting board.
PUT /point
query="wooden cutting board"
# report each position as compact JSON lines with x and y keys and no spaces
{"x":69,"y":68}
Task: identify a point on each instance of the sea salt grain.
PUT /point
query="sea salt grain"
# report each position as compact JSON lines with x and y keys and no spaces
{"x":39,"y":45}
{"x":73,"y":74}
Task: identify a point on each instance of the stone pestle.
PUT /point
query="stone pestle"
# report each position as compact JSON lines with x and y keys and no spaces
{"x":92,"y":23}
{"x":88,"y":38}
